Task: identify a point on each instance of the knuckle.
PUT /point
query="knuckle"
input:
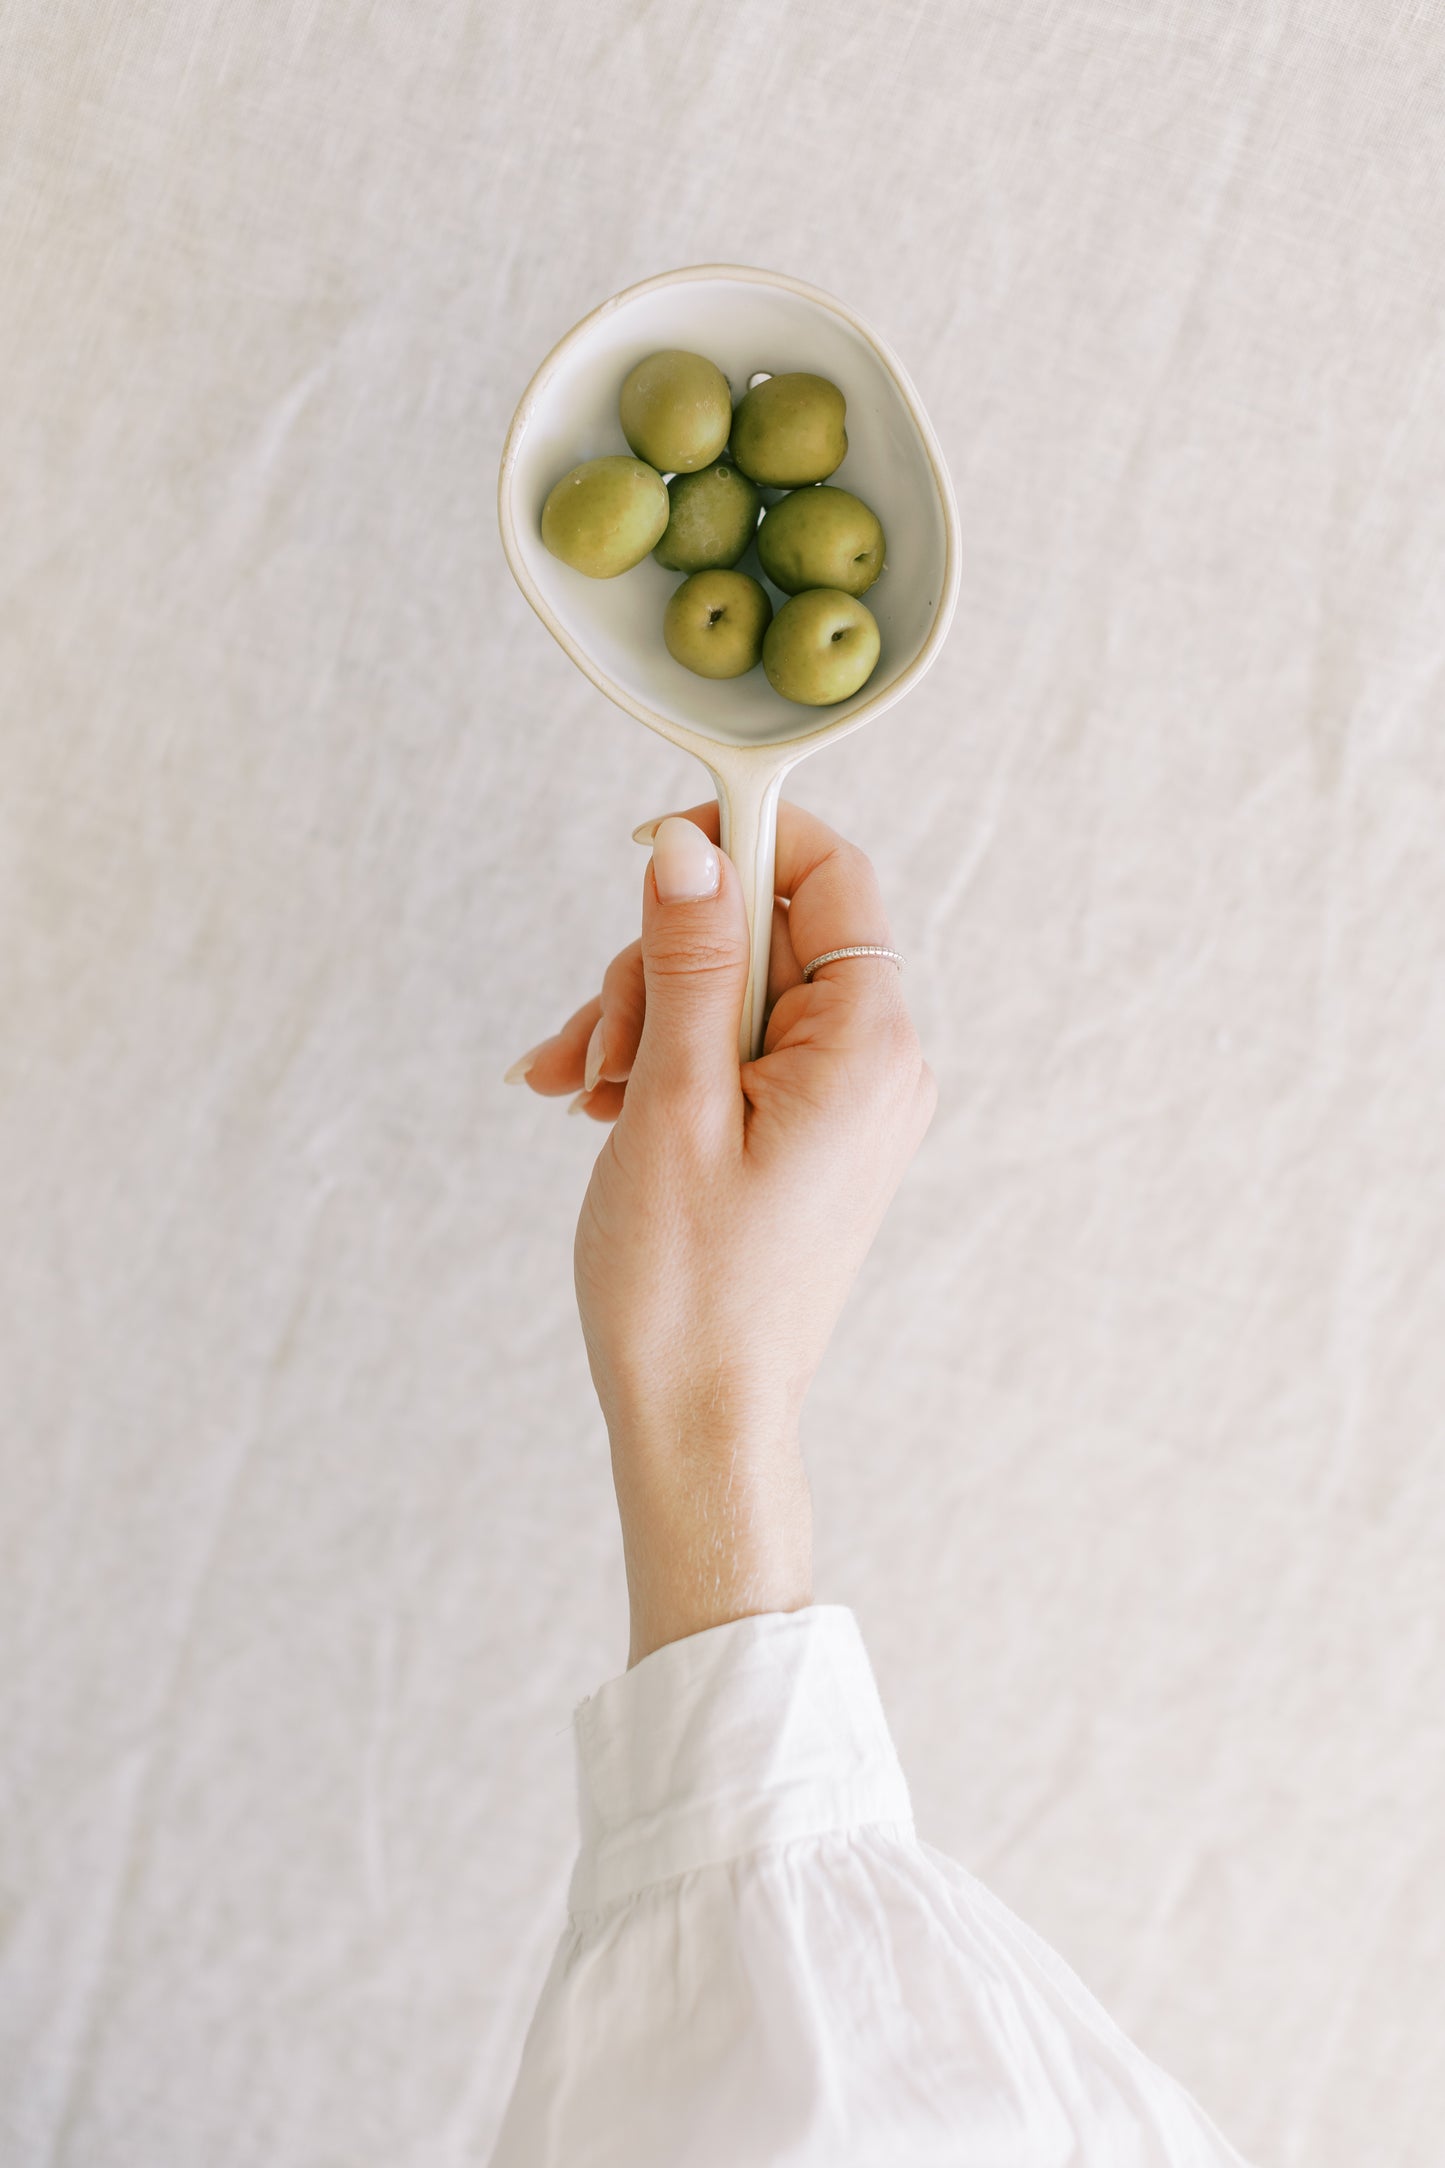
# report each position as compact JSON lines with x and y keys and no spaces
{"x":895,"y":1040}
{"x":693,"y":955}
{"x":891,"y":1060}
{"x":852,"y":855}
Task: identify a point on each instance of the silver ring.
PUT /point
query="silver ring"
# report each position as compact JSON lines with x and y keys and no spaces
{"x":834,"y":953}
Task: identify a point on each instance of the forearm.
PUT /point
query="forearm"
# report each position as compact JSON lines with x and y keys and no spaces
{"x":728,"y":1213}
{"x":712,"y":1530}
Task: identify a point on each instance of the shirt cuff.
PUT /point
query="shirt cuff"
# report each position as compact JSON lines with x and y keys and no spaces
{"x":753,"y":1733}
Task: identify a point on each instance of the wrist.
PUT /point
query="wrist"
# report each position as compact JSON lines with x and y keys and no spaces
{"x":714,"y":1527}
{"x":659,"y":1409}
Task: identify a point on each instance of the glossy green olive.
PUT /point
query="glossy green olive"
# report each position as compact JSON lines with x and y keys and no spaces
{"x":714,"y":624}
{"x":821,"y":538}
{"x":821,"y":647}
{"x":714,"y":516}
{"x":603,"y":517}
{"x":676,"y":411}
{"x":789,"y":431}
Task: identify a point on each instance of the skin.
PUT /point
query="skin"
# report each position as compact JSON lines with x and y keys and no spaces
{"x":729,"y":1211}
{"x":604,"y":517}
{"x":714,"y":517}
{"x":789,"y":431}
{"x":676,"y":411}
{"x":714,"y":624}
{"x":821,"y":538}
{"x":821,"y":647}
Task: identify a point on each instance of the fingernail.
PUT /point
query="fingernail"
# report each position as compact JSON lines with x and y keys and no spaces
{"x":646,"y":830}
{"x":518,"y":1071}
{"x":684,"y":862}
{"x":575,"y":1105}
{"x":592,"y":1066}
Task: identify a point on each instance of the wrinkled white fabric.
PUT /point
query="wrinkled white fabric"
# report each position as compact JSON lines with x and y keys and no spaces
{"x":1127,"y":1450}
{"x":764,"y":1967}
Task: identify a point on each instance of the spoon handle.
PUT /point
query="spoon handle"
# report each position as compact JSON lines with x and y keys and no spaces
{"x":748,"y":781}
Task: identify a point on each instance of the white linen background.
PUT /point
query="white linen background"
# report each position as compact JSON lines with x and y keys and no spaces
{"x":1127,"y":1452}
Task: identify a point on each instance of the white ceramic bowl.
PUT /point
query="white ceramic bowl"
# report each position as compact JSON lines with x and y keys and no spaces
{"x":748,"y":322}
{"x":745,"y":321}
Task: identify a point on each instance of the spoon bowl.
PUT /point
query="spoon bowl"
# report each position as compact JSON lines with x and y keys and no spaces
{"x":751,"y":323}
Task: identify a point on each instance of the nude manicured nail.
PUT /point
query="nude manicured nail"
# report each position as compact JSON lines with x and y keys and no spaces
{"x":518,"y":1072}
{"x":575,"y":1106}
{"x":684,"y":863}
{"x":592,"y":1066}
{"x":646,"y":830}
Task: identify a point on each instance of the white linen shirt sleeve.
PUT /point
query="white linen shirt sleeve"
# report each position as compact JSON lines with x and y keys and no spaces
{"x":764,"y":1967}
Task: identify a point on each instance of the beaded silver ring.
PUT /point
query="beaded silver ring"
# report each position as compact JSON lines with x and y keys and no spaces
{"x":834,"y":953}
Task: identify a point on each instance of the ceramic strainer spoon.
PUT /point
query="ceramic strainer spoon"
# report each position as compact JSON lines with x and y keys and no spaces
{"x":752,"y":324}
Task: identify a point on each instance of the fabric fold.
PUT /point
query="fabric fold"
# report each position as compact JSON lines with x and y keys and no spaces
{"x":763,"y":1964}
{"x":752,"y":1733}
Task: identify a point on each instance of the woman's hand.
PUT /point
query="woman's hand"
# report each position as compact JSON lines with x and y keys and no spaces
{"x":730,"y":1208}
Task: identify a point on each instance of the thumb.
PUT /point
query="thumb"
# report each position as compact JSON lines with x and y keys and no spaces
{"x":695,"y":968}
